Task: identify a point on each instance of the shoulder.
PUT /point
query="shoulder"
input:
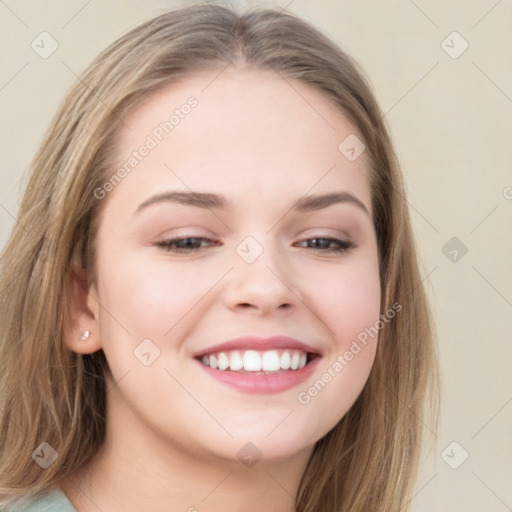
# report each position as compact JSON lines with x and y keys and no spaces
{"x":53,"y":501}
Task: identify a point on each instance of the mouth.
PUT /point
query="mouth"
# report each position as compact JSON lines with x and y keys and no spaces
{"x":253,"y":364}
{"x":258,"y":362}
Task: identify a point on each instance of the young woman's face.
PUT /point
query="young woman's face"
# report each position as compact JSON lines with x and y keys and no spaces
{"x":254,"y":267}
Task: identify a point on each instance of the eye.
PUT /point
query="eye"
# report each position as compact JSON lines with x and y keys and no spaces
{"x":321,"y":244}
{"x":183,"y":244}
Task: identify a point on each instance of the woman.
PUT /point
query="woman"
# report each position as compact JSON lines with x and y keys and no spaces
{"x":279,"y":362}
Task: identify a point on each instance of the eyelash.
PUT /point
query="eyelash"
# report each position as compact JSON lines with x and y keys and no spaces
{"x":168,"y":245}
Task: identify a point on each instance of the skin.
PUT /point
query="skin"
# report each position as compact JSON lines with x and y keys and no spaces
{"x":173,"y":432}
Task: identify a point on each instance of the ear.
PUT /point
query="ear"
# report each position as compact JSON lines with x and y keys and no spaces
{"x":82,"y":313}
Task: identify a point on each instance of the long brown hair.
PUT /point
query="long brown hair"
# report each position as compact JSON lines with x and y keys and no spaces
{"x":368,"y":461}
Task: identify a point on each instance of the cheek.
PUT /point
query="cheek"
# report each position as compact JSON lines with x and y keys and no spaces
{"x":351,"y":306}
{"x":154,"y":301}
{"x":149,"y":299}
{"x":350,"y":299}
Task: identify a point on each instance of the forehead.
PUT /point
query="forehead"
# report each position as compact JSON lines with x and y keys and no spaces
{"x":252,"y":129}
{"x":252,"y":99}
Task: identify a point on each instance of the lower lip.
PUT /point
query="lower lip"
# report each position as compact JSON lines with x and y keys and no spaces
{"x":262,"y":384}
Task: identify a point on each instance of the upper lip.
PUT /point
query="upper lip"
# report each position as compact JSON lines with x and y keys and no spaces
{"x":255,"y":343}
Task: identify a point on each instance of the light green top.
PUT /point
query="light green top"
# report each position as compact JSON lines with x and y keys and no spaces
{"x":53,"y":501}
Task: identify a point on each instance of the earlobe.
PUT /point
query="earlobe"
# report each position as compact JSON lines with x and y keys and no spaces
{"x":81,"y":327}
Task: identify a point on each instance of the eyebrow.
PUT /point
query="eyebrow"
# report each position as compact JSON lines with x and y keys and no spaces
{"x":217,"y":202}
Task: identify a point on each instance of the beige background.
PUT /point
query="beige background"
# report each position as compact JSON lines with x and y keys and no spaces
{"x":451,"y":119}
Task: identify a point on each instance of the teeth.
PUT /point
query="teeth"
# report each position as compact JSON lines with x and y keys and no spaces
{"x":223,"y":361}
{"x":255,"y":361}
{"x":236,"y":361}
{"x":270,"y":362}
{"x":252,"y":361}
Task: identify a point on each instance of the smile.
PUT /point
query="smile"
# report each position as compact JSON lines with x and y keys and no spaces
{"x":253,"y":364}
{"x":254,"y":361}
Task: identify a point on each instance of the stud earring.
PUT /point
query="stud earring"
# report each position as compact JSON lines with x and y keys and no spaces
{"x":85,"y":335}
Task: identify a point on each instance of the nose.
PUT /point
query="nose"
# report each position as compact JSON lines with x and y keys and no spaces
{"x":263,"y":286}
